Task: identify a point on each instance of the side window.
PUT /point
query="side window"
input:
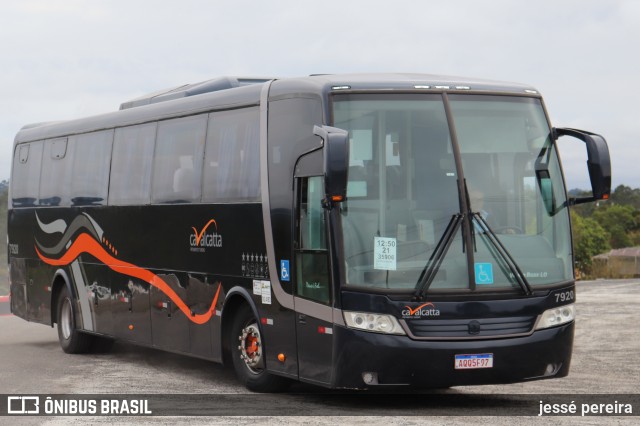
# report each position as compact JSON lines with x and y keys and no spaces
{"x":232,"y":158}
{"x":177,"y":165}
{"x":26,"y":174}
{"x":312,"y":267}
{"x":55,"y":180}
{"x":312,"y":226}
{"x":92,"y":157}
{"x":130,"y":181}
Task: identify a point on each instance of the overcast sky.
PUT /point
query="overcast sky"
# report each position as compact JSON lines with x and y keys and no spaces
{"x":63,"y":59}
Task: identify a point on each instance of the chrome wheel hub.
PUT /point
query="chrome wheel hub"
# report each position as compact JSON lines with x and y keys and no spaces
{"x":251,"y":347}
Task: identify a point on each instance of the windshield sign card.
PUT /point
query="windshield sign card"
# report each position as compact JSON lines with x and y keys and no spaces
{"x":384,"y":253}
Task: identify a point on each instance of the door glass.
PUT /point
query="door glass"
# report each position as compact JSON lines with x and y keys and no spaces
{"x":311,"y":257}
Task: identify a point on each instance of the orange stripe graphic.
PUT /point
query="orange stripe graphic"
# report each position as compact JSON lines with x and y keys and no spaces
{"x":86,"y":244}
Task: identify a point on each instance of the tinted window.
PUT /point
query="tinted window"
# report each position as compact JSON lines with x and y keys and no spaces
{"x":26,"y":174}
{"x":130,"y":181}
{"x":232,"y":161}
{"x":311,"y":259}
{"x":91,"y":168}
{"x":178,"y":160}
{"x":55,"y":180}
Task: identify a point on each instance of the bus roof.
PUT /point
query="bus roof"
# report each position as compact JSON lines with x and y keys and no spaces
{"x":405,"y":82}
{"x":233,"y":92}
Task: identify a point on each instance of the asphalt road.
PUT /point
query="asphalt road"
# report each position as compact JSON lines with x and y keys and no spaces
{"x":4,"y":305}
{"x":606,"y":360}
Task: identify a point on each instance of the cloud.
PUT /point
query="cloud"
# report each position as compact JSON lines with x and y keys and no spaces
{"x":72,"y":58}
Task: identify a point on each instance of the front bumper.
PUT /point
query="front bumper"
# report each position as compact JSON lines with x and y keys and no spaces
{"x":398,"y":360}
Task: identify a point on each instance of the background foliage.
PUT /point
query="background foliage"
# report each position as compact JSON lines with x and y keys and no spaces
{"x":605,"y":225}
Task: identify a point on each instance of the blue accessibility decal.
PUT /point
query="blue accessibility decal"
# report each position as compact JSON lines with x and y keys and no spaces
{"x":284,"y":270}
{"x":484,"y":273}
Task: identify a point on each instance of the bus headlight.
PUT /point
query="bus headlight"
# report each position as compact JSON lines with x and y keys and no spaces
{"x":557,"y":316}
{"x":376,"y":323}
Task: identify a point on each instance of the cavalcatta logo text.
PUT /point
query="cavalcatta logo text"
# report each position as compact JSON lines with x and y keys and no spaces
{"x":206,"y":238}
{"x":425,"y":310}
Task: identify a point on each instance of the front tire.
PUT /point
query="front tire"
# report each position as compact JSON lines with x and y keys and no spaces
{"x":248,"y":355}
{"x":71,"y":339}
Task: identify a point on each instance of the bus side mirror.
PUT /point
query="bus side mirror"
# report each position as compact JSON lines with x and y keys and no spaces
{"x":336,"y":163}
{"x":598,"y":163}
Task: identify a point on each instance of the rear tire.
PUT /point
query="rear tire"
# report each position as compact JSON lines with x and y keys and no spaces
{"x":247,"y":353}
{"x":71,"y":339}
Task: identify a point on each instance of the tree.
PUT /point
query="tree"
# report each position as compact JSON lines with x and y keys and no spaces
{"x":620,"y":222}
{"x":589,"y":239}
{"x":624,"y":195}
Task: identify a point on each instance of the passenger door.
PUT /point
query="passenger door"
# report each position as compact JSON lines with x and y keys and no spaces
{"x":313,"y":294}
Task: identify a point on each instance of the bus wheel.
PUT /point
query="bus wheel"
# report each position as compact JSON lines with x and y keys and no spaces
{"x":71,"y":340}
{"x":247,"y":353}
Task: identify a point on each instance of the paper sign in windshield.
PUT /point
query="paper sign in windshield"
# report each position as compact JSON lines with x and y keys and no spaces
{"x":384,"y":253}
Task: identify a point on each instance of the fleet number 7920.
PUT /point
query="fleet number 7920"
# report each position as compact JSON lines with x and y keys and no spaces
{"x":565,"y":296}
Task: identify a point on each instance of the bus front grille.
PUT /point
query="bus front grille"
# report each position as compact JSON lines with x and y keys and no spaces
{"x":472,"y":328}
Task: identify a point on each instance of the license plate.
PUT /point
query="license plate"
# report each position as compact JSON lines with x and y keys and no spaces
{"x":473,"y":361}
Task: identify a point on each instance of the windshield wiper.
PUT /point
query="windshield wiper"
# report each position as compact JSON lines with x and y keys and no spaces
{"x":431,"y":268}
{"x":503,"y":252}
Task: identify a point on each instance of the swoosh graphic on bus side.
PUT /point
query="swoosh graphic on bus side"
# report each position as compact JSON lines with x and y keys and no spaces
{"x":199,"y":236}
{"x":87,"y":244}
{"x":57,"y":226}
{"x":83,"y":221}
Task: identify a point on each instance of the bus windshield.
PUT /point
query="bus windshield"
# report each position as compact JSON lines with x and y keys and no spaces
{"x":403,"y":191}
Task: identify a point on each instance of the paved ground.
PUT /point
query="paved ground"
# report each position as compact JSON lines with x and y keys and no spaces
{"x":4,"y":305}
{"x":606,"y":360}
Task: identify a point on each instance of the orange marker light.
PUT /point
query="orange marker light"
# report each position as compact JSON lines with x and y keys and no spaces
{"x":336,"y":198}
{"x":281,"y":357}
{"x":130,"y":326}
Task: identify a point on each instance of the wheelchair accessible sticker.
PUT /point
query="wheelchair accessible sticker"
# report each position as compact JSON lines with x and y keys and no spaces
{"x":484,"y":273}
{"x":284,"y":270}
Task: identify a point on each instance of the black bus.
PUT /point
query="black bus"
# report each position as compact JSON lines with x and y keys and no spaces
{"x":349,"y":231}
